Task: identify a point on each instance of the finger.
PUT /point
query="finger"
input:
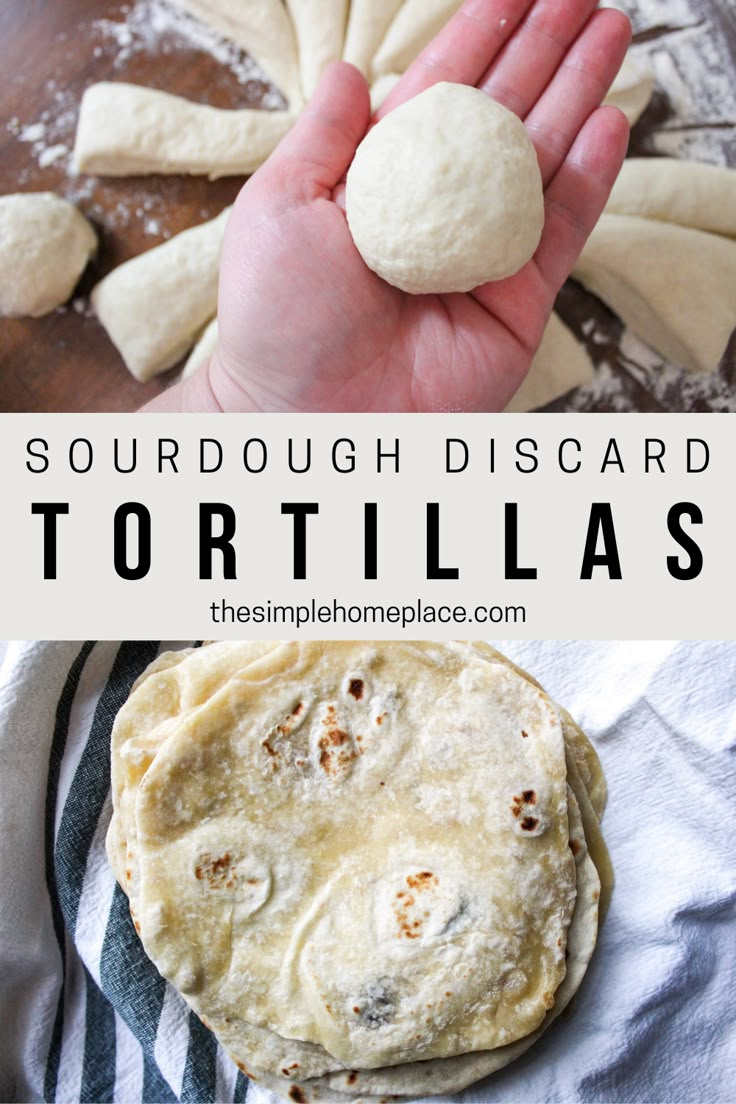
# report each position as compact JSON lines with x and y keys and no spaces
{"x":574,"y":203}
{"x":463,"y":50}
{"x":576,"y":197}
{"x":522,"y":303}
{"x":579,"y":87}
{"x":317,"y":152}
{"x":526,"y":65}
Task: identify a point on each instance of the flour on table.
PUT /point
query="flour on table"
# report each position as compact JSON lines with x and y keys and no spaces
{"x":34,"y":132}
{"x":82,"y":307}
{"x":51,"y":135}
{"x":692,"y":117}
{"x":694,"y":71}
{"x":154,"y":27}
{"x":51,"y":154}
{"x":635,"y":365}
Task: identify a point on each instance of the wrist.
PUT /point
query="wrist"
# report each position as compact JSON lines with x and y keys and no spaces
{"x":211,"y":390}
{"x":225,"y":389}
{"x":190,"y":396}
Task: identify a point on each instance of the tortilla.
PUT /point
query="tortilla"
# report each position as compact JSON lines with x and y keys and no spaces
{"x":169,"y":687}
{"x":336,"y":920}
{"x":586,"y":757}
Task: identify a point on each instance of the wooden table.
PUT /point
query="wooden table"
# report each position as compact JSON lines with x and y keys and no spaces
{"x":65,"y":361}
{"x":51,"y":50}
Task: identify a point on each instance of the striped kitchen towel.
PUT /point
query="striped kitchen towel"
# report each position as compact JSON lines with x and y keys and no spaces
{"x":94,"y":1021}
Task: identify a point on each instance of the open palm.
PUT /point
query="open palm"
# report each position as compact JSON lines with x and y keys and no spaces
{"x":305,"y":326}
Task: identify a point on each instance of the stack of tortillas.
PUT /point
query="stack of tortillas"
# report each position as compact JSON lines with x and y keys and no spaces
{"x":371,"y":869}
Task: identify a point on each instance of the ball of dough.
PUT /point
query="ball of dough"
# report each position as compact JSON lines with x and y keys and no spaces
{"x":445,"y":193}
{"x":45,"y":244}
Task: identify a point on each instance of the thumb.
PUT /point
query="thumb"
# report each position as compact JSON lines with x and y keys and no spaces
{"x":317,"y":152}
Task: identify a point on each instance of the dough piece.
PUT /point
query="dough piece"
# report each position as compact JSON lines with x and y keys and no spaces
{"x":686,"y":192}
{"x":382,"y":88}
{"x":203,"y":350}
{"x":320,"y":33}
{"x":367,"y":24}
{"x":45,"y":244}
{"x":445,"y":193}
{"x":674,"y":287}
{"x":260,"y":27}
{"x":154,"y":306}
{"x":414,"y":27}
{"x":632,"y":90}
{"x":560,"y":364}
{"x":128,"y":130}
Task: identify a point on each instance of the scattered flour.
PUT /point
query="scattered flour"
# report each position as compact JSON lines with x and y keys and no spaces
{"x":82,"y":307}
{"x":695,"y":74}
{"x":155,"y":27}
{"x":50,"y":154}
{"x":35,"y":132}
{"x":151,"y":26}
{"x":50,"y":136}
{"x":692,"y":116}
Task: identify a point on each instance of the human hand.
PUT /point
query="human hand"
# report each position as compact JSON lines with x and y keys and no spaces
{"x":306,"y":326}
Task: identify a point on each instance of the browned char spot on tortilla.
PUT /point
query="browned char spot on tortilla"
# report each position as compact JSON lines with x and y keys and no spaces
{"x":410,"y":925}
{"x":520,"y":804}
{"x":280,"y":734}
{"x":217,"y":873}
{"x":336,"y":749}
{"x":356,"y":688}
{"x":297,"y":1095}
{"x":352,"y":1077}
{"x":421,"y":881}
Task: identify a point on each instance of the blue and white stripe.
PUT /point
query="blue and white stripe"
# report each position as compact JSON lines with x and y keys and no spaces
{"x":120,"y":1033}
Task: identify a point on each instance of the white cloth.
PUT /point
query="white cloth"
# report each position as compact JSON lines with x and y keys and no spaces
{"x":654,"y":1020}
